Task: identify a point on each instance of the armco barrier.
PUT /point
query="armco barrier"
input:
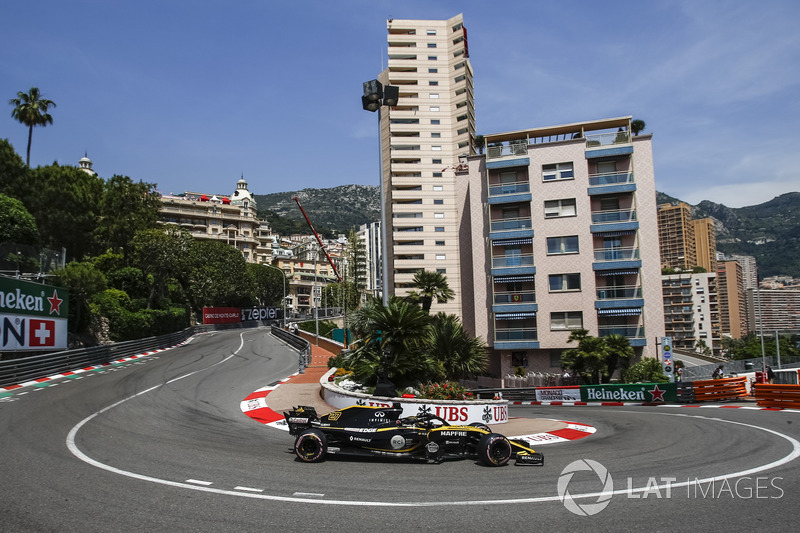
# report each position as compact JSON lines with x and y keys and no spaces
{"x":781,"y":396}
{"x":719,"y":389}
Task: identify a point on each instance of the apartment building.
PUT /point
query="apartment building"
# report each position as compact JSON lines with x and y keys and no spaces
{"x":771,"y":310}
{"x":676,"y":235}
{"x":422,"y":138}
{"x":691,"y":312}
{"x":232,"y":219}
{"x":705,"y":238}
{"x":562,"y":234}
{"x":731,"y":289}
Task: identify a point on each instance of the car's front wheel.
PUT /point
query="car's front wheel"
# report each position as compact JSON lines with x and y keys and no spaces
{"x":311,"y":446}
{"x":494,"y":450}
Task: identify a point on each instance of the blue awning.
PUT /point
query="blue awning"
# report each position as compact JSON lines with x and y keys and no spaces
{"x":615,"y":272}
{"x":515,"y":316}
{"x":511,"y":279}
{"x":622,"y":311}
{"x":511,"y":242}
{"x":614,"y":233}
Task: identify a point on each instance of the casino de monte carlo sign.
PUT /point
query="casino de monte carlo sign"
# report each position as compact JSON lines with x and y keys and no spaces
{"x":32,"y":316}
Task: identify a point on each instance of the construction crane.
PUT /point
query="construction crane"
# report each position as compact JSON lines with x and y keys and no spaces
{"x":319,"y":239}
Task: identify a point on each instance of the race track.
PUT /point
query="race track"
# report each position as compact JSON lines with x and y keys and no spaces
{"x":161,"y":444}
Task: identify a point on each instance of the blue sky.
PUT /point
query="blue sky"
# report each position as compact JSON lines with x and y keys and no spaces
{"x":192,"y":95}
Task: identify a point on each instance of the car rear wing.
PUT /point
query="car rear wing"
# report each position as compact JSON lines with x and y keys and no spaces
{"x":300,"y":419}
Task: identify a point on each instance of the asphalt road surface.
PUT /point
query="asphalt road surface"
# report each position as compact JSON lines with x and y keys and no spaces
{"x":161,"y":444}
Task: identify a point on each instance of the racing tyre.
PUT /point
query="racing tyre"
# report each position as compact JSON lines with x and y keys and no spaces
{"x":494,"y":450}
{"x":311,"y":446}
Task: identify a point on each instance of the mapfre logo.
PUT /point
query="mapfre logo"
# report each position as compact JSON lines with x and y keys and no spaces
{"x":604,"y":497}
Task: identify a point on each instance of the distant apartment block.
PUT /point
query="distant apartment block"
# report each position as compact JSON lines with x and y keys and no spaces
{"x":732,"y":299}
{"x":771,"y":310}
{"x":705,"y":243}
{"x":749,"y":270}
{"x":560,"y":232}
{"x":691,"y":311}
{"x":676,"y":235}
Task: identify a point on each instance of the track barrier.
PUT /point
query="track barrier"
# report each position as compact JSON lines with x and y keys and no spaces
{"x":780,"y":396}
{"x":719,"y":389}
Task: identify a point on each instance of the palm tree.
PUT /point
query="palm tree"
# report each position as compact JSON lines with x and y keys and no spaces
{"x":619,"y":351}
{"x":431,"y":285}
{"x":459,"y":353}
{"x":31,"y":109}
{"x":637,"y":126}
{"x":480,"y":143}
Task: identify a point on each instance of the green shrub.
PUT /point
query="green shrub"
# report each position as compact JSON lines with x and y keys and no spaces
{"x":647,"y":370}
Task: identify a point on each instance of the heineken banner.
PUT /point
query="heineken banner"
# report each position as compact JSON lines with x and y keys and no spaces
{"x":639,"y":392}
{"x":32,"y":316}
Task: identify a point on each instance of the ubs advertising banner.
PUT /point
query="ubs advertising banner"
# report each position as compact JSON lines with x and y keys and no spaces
{"x":639,"y":392}
{"x":32,"y":316}
{"x":226,"y":315}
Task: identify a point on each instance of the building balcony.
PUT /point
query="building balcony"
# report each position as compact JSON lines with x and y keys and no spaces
{"x":509,"y":192}
{"x":611,"y":182}
{"x":608,"y":144}
{"x":634,"y":333}
{"x":515,"y":297}
{"x":624,"y":292}
{"x":617,"y":254}
{"x":515,"y":338}
{"x":500,"y":225}
{"x":512,"y":261}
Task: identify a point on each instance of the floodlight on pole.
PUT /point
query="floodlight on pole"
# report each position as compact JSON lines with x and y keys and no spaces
{"x":376,"y":95}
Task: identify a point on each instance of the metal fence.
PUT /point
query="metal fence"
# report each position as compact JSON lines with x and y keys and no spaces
{"x":737,"y":366}
{"x":21,"y":370}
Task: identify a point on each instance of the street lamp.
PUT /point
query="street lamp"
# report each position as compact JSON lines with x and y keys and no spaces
{"x":283,"y":275}
{"x":376,"y":95}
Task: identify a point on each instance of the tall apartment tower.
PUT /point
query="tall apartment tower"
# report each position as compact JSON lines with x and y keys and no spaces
{"x":732,"y":299}
{"x":563,"y":233}
{"x":705,"y":237}
{"x":749,"y":270}
{"x":676,"y":236}
{"x":422,"y":139}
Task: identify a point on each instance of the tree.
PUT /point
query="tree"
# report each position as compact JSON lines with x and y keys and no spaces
{"x":637,"y":126}
{"x":392,"y":342}
{"x":459,"y":353}
{"x":620,"y":351}
{"x":13,"y":172}
{"x":82,"y":280}
{"x":647,"y":370}
{"x":589,"y":359}
{"x":125,"y":208}
{"x":431,"y":285}
{"x":480,"y":143}
{"x":267,"y":284}
{"x":31,"y":109}
{"x":17,"y":225}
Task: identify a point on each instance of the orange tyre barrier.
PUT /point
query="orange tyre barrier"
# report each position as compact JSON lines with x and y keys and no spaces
{"x":782,"y":396}
{"x":719,"y":389}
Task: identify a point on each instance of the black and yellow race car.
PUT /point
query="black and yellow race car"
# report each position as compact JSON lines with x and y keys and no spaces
{"x":378,"y":431}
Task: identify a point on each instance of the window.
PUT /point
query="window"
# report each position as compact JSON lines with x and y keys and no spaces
{"x":431,"y":58}
{"x":436,"y":161}
{"x":431,"y":45}
{"x":436,"y":148}
{"x":439,"y":243}
{"x":436,"y":135}
{"x":562,"y":245}
{"x":441,"y":270}
{"x":565,"y":282}
{"x":438,"y":215}
{"x":566,"y":320}
{"x":435,"y":108}
{"x":438,"y":201}
{"x":440,"y":257}
{"x":439,"y":228}
{"x":432,"y":82}
{"x":433,"y":70}
{"x":606,"y":167}
{"x":560,"y":208}
{"x":437,"y":174}
{"x":558,"y":171}
{"x":433,"y":95}
{"x":436,"y":121}
{"x":431,"y":32}
{"x":438,"y":188}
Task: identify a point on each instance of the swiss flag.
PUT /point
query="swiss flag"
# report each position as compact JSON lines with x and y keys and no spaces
{"x":41,"y":333}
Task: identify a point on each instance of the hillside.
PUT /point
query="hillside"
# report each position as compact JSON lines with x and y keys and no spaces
{"x":333,"y":211}
{"x":770,"y":231}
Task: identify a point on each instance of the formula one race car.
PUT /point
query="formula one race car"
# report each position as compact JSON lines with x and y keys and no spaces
{"x":371,"y":431}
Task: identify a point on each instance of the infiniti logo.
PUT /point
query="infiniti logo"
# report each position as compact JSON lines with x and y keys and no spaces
{"x":586,"y":509}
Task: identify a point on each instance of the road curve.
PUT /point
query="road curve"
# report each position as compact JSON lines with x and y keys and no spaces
{"x":161,"y":443}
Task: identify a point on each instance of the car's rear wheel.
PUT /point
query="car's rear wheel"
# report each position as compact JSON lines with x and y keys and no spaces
{"x":311,"y":446}
{"x":494,"y":450}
